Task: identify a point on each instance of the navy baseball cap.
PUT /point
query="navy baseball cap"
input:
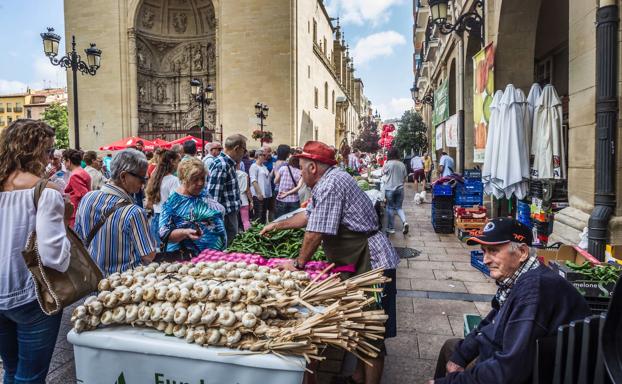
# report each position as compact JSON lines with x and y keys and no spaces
{"x":503,"y":230}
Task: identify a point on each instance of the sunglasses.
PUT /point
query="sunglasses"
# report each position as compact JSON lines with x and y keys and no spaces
{"x":143,"y":179}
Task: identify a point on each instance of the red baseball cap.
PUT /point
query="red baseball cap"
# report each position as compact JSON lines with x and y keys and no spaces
{"x":318,"y":151}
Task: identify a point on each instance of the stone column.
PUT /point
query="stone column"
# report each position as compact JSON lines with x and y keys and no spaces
{"x":133,"y":83}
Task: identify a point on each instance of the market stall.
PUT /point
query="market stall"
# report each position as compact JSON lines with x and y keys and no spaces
{"x":127,"y":143}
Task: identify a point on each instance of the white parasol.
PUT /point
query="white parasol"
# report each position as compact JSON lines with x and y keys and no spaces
{"x":492,"y":146}
{"x":532,"y":99}
{"x":548,"y":139}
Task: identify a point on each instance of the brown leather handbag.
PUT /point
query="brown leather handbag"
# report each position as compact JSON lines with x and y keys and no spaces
{"x":57,"y":290}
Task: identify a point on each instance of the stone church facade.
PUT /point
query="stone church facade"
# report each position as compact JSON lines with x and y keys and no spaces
{"x":280,"y":53}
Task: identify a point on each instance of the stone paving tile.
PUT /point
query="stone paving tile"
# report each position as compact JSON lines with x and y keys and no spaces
{"x":462,"y":257}
{"x":405,"y":304}
{"x":63,"y":375}
{"x":443,"y":307}
{"x":429,"y":265}
{"x":463,"y":266}
{"x":403,"y":345}
{"x":430,"y":345}
{"x":483,"y":308}
{"x":482,"y":288}
{"x":405,"y":370}
{"x":432,"y":324}
{"x":414,"y":273}
{"x":438,"y":285}
{"x":457,"y":325}
{"x":474,"y":275}
{"x":403,"y":284}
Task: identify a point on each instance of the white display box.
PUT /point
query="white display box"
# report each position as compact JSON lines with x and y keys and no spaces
{"x":126,"y":355}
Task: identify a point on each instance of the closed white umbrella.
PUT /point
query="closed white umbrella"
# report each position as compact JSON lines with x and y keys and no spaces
{"x":491,"y":154}
{"x":532,"y":99}
{"x":548,"y":144}
{"x":513,"y":164}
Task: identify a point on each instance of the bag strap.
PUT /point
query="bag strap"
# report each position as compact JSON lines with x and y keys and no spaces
{"x":102,"y":221}
{"x":39,"y":187}
{"x":291,"y":175}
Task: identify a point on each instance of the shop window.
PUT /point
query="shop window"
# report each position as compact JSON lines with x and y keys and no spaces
{"x":18,"y":107}
{"x":316,"y":98}
{"x":333,"y":102}
{"x":1,"y":122}
{"x":9,"y":119}
{"x":1,"y":107}
{"x":314,"y":31}
{"x":9,"y":107}
{"x":325,"y":46}
{"x":29,"y":113}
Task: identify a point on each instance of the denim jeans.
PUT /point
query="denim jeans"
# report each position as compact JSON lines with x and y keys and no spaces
{"x":27,"y":340}
{"x":394,"y":205}
{"x":283,"y":208}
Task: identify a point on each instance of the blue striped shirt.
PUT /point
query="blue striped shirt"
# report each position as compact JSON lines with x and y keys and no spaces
{"x":125,"y":237}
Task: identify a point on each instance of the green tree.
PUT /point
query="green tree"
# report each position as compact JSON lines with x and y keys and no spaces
{"x":411,"y":134}
{"x":367,"y":140}
{"x":56,"y":116}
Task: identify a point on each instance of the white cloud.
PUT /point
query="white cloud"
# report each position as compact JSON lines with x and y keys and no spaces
{"x":362,"y":11}
{"x":47,"y":74}
{"x":11,"y":86}
{"x":395,"y":108}
{"x":377,"y":45}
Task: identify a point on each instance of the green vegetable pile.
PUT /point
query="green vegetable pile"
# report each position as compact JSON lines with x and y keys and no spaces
{"x":281,"y":244}
{"x":604,"y":273}
{"x":364,"y":185}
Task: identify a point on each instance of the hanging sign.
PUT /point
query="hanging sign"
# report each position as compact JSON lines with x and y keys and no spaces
{"x":483,"y":92}
{"x":441,"y":104}
{"x":439,"y":136}
{"x":451,"y":131}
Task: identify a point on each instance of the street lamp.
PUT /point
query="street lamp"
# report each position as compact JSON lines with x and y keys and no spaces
{"x":73,"y":61}
{"x":469,"y":21}
{"x":204,"y":96}
{"x":427,"y":99}
{"x":261,"y":111}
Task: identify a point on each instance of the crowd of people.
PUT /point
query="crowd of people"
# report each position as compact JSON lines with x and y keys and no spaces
{"x":171,"y":205}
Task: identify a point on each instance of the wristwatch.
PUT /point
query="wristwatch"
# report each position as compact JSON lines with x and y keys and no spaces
{"x":298,"y":265}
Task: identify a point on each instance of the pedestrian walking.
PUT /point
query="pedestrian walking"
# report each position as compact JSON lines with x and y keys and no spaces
{"x":222,"y":183}
{"x":246,"y":198}
{"x":27,"y":335}
{"x":213,"y":150}
{"x":190,"y":150}
{"x":418,"y":169}
{"x":55,"y":171}
{"x":396,"y":175}
{"x":94,"y":165}
{"x":289,"y":180}
{"x":446,"y":165}
{"x":160,"y":186}
{"x":428,"y":165}
{"x":79,"y":183}
{"x":260,"y":186}
{"x":124,"y":241}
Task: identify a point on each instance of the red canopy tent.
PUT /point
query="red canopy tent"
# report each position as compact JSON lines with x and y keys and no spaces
{"x":128,"y":142}
{"x":160,"y":143}
{"x":184,"y":139}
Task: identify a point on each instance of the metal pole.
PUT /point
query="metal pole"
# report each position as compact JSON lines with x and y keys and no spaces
{"x":74,"y":70}
{"x":261,"y":127}
{"x":461,"y":133}
{"x":202,"y":122}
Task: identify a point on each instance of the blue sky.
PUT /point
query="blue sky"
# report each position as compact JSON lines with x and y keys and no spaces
{"x":379,"y":33}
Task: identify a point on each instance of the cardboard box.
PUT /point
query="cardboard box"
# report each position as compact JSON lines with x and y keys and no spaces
{"x":587,"y":288}
{"x":613,"y":254}
{"x":565,"y":252}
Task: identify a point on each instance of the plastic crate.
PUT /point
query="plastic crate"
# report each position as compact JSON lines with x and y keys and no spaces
{"x":477,"y":262}
{"x":471,"y":321}
{"x":472,"y":174}
{"x":442,"y":190}
{"x":443,"y":202}
{"x":446,"y":229}
{"x":470,"y":199}
{"x":470,"y":186}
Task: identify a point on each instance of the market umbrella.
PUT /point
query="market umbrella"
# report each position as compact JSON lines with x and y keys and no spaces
{"x":160,"y":143}
{"x":532,"y":100}
{"x":491,"y":154}
{"x":185,"y":139}
{"x":548,"y":146}
{"x":513,"y":164}
{"x":127,"y":142}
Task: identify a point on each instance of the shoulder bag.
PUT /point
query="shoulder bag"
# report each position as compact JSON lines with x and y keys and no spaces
{"x":57,"y":290}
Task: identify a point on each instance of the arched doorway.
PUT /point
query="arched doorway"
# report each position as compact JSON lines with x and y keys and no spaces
{"x":175,"y":42}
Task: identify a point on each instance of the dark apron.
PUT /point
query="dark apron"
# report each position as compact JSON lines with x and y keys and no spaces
{"x":348,"y":248}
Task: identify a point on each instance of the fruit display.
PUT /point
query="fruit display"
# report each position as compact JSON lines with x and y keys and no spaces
{"x":603,"y":273}
{"x":281,"y":244}
{"x":245,"y":306}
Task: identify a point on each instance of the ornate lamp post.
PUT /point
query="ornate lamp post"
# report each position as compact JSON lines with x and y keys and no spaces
{"x":203,"y":96}
{"x":427,"y":99}
{"x":468,"y":21}
{"x":261,"y":111}
{"x":74,"y":62}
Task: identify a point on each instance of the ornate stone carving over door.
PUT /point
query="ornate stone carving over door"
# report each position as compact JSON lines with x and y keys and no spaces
{"x":175,"y":42}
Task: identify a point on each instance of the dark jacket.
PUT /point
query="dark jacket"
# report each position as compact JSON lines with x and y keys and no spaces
{"x":505,"y":340}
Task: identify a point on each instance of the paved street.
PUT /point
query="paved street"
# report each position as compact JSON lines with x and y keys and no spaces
{"x":435,"y":290}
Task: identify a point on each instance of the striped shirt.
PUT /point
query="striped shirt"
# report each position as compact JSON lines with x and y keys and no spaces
{"x":124,"y":239}
{"x":337,"y":200}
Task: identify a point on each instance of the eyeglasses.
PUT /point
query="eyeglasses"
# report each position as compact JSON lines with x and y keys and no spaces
{"x":143,"y":179}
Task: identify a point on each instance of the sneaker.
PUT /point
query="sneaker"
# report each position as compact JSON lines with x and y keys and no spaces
{"x":405,"y":229}
{"x":390,"y":231}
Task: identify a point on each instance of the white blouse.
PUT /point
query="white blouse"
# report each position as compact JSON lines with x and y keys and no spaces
{"x":17,"y":221}
{"x":261,"y":175}
{"x":167,"y":187}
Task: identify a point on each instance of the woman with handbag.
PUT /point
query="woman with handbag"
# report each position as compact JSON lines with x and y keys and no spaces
{"x":289,"y":179}
{"x":25,"y":147}
{"x":191,"y":221}
{"x":111,"y":224}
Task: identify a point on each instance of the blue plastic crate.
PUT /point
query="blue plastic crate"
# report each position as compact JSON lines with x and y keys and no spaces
{"x":470,"y":186}
{"x":442,"y":190}
{"x":470,"y":199}
{"x":477,"y":262}
{"x":472,"y":174}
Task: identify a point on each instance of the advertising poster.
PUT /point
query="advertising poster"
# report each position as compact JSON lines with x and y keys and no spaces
{"x":483,"y":92}
{"x":441,"y":104}
{"x":451,"y":131}
{"x":439,"y":137}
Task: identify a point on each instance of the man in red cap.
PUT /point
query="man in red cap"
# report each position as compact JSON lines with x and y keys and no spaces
{"x":342,"y":218}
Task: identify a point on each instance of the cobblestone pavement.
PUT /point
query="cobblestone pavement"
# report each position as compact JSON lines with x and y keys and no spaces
{"x":435,"y":290}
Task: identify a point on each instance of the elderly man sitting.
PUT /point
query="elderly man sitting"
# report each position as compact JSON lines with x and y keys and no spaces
{"x":532,"y":302}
